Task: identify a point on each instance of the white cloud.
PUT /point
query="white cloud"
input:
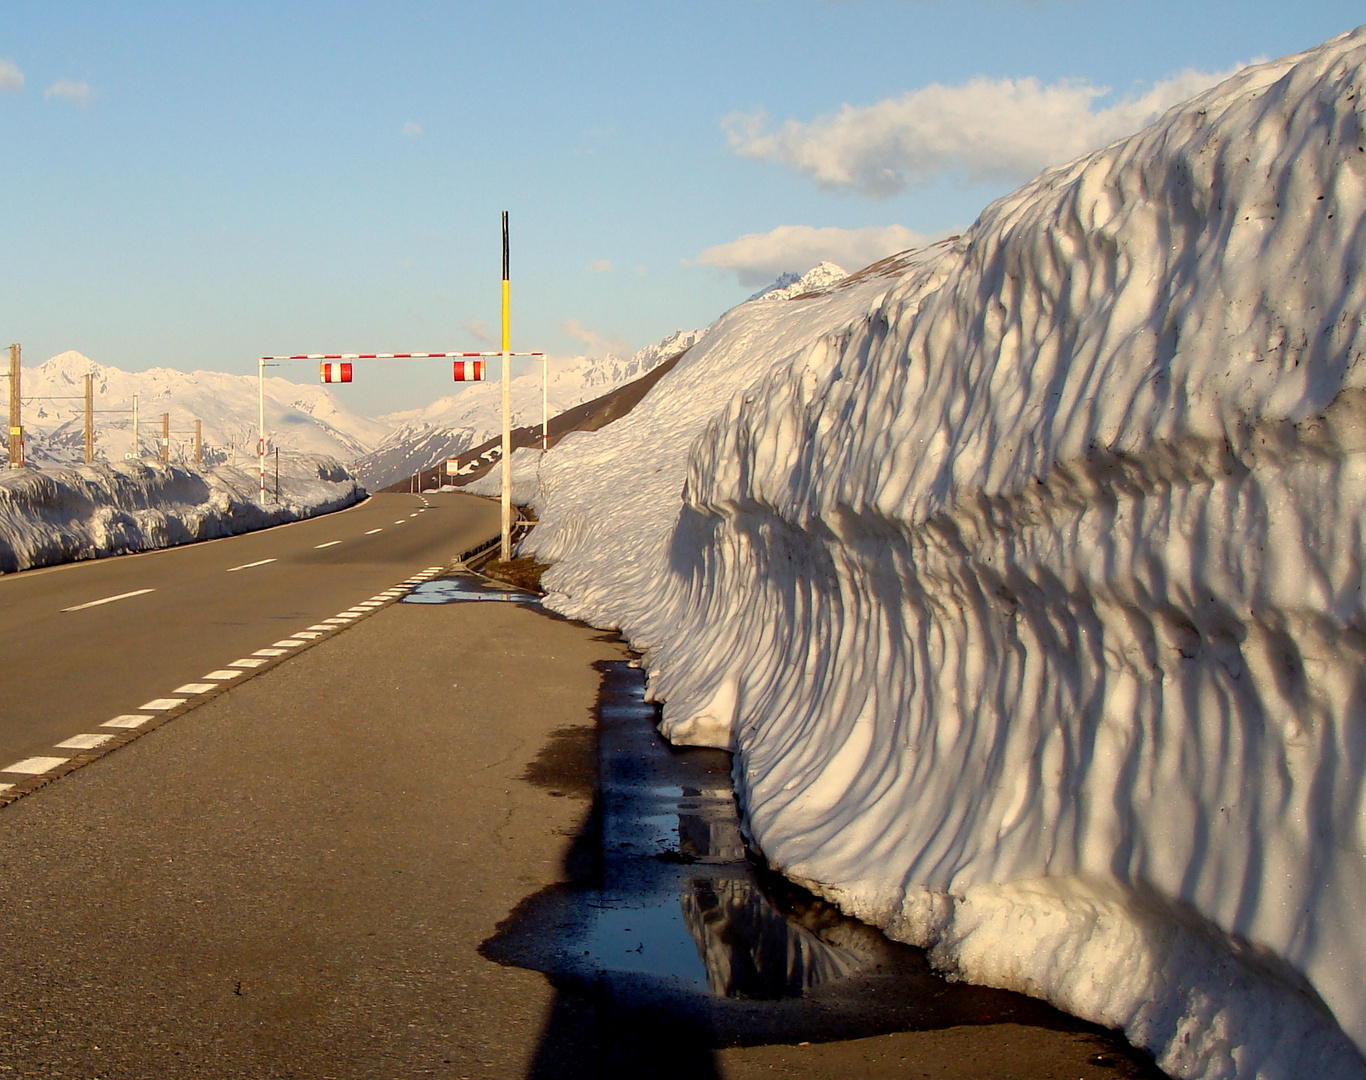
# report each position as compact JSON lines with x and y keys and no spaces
{"x":758,"y":258}
{"x":411,"y":129}
{"x":479,"y":330}
{"x":986,"y":130}
{"x":600,"y":266}
{"x":11,"y":78}
{"x":77,"y":93}
{"x":596,"y":344}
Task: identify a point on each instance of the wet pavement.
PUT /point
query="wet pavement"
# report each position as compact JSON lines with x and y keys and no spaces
{"x":672,"y":932}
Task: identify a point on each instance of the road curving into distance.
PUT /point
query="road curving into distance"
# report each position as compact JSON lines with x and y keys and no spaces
{"x":86,"y":643}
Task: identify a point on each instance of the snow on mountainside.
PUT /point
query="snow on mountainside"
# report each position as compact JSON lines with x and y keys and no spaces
{"x":299,"y":418}
{"x":1027,"y":585}
{"x":423,"y":438}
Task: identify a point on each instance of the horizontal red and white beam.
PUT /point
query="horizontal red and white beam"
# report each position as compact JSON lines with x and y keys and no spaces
{"x":394,"y":355}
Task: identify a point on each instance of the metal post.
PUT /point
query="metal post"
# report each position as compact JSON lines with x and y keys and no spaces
{"x":166,"y":437}
{"x":545,"y":403}
{"x":89,"y":419}
{"x":137,"y":435}
{"x":199,"y":442}
{"x":261,"y":442}
{"x":16,"y":423}
{"x":506,"y":549}
{"x":277,"y":474}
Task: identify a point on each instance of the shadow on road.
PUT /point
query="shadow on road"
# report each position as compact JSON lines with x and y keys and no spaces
{"x":668,"y":940}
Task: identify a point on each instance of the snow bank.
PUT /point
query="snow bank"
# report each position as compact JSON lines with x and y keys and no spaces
{"x":52,"y":516}
{"x":1029,"y":589}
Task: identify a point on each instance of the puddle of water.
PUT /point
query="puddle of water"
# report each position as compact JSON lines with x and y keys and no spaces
{"x":465,"y":588}
{"x":679,"y":919}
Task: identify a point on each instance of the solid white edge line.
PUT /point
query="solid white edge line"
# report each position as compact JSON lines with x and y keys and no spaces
{"x":108,"y":600}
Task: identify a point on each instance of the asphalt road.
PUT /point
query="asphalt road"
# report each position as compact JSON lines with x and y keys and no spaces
{"x":84,"y":643}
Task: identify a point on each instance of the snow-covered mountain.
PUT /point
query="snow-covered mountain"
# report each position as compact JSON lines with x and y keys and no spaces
{"x":1024,"y":577}
{"x":422,"y":438}
{"x":300,"y":418}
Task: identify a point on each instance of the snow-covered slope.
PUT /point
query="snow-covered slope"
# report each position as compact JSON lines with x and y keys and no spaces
{"x":1028,"y":587}
{"x":422,"y":438}
{"x":58,"y":515}
{"x":300,"y":418}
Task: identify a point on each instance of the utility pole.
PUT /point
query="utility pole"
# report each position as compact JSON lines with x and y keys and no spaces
{"x":16,"y":423}
{"x":166,"y":436}
{"x":506,"y":549}
{"x":89,"y":419}
{"x":199,"y":442}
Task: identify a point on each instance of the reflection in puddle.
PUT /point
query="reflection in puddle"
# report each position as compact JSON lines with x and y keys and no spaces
{"x":670,"y":916}
{"x":465,"y":588}
{"x":752,"y":951}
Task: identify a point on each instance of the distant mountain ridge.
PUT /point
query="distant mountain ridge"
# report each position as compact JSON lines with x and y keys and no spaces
{"x":423,"y":438}
{"x":299,"y":418}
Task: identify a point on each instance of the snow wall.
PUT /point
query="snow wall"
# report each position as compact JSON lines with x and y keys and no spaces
{"x":1027,"y":586}
{"x":50,"y":516}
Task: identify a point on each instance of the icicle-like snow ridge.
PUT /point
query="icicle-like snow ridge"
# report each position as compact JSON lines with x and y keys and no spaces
{"x":1030,"y":593}
{"x":52,"y":516}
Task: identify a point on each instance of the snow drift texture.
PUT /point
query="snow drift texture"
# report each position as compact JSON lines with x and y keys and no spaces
{"x":59,"y":515}
{"x":1029,"y":588}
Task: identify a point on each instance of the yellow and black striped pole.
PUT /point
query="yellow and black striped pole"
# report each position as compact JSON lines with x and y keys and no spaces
{"x":506,"y":551}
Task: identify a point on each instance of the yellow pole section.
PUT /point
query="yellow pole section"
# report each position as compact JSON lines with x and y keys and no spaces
{"x":505,"y":551}
{"x":507,"y":315}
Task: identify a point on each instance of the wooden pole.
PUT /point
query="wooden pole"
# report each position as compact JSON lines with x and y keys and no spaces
{"x":165,"y":436}
{"x":16,"y":423}
{"x":199,"y":442}
{"x":89,"y":419}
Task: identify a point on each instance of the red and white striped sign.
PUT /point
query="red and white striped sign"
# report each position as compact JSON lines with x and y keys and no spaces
{"x":335,"y":372}
{"x":468,"y":370}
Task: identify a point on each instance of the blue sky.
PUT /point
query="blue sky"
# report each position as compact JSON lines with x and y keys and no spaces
{"x":192,"y":185}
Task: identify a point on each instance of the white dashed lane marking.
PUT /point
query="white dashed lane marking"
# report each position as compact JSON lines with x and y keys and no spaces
{"x":108,"y":599}
{"x":249,"y":565}
{"x":127,"y":720}
{"x":373,"y":531}
{"x":84,"y":742}
{"x":33,"y":766}
{"x":330,"y":543}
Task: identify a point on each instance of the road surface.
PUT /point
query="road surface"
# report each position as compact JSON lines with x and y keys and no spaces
{"x":86,"y":643}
